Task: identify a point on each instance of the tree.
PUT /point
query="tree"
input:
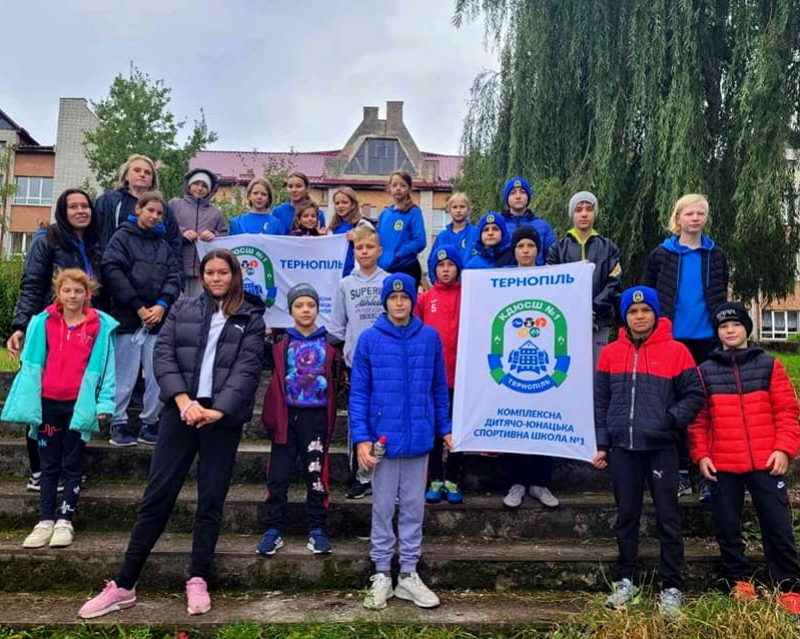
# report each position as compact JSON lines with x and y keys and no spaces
{"x":275,"y":172}
{"x":135,"y":118}
{"x":643,"y":101}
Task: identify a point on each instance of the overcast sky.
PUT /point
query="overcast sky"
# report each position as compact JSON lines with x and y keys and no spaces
{"x":269,"y":74}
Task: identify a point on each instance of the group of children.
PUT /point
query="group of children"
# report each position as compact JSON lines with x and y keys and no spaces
{"x":397,"y":350}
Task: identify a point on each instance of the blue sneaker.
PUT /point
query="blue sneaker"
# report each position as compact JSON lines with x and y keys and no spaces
{"x":147,"y":434}
{"x":318,"y":542}
{"x":120,"y":438}
{"x":270,"y":542}
{"x":452,"y":493}
{"x":435,"y":492}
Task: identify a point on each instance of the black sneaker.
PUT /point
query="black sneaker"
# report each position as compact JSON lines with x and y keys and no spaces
{"x":359,"y":490}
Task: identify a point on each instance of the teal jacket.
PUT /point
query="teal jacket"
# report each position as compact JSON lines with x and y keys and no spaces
{"x":95,"y":397}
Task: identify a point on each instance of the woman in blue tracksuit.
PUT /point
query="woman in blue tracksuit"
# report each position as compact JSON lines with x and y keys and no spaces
{"x":401,"y":229}
{"x":493,"y":246}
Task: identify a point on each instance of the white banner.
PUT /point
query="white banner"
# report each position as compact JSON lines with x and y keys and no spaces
{"x":525,"y":376}
{"x":272,"y":264}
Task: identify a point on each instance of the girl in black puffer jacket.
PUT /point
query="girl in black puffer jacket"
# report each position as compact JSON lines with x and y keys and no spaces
{"x":142,"y":276}
{"x":208,"y":364}
{"x":71,"y":242}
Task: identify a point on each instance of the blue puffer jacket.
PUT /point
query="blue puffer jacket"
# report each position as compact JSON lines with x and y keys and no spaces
{"x":398,"y":388}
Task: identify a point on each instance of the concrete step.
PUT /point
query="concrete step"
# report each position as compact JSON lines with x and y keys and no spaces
{"x":447,"y":564}
{"x":113,"y":507}
{"x":103,"y":462}
{"x":165,"y":614}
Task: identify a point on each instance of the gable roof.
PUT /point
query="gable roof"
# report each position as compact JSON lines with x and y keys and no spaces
{"x":26,"y":138}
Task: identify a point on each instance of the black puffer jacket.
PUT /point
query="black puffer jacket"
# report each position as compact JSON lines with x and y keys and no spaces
{"x":606,"y":280}
{"x":663,"y":274}
{"x":48,"y":254}
{"x":139,"y":269}
{"x":237,"y":364}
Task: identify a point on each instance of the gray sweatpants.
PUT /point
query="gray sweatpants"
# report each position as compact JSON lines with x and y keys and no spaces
{"x":129,"y":357}
{"x":403,"y":478}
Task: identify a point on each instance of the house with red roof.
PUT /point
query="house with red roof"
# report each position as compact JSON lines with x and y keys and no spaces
{"x":375,"y":149}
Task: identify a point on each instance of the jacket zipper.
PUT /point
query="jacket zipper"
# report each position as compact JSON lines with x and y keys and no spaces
{"x":740,"y":392}
{"x":633,"y":392}
{"x":197,"y":229}
{"x":406,"y":410}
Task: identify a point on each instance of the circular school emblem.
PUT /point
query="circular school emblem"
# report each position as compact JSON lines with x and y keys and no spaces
{"x":397,"y":286}
{"x":398,"y":226}
{"x":442,"y":254}
{"x":529,"y":350}
{"x":490,"y":218}
{"x":259,"y":278}
{"x":638,"y":297}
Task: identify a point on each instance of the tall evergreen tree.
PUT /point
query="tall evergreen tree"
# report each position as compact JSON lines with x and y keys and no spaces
{"x":643,"y":101}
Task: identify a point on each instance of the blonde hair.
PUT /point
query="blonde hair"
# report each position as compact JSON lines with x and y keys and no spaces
{"x":263,"y":182}
{"x":680,"y":205}
{"x":458,"y":195}
{"x":365,"y":230}
{"x":122,"y":178}
{"x":75,"y":275}
{"x":354,"y":216}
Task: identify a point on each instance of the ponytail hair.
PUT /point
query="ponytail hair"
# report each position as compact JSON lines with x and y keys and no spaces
{"x":408,"y":204}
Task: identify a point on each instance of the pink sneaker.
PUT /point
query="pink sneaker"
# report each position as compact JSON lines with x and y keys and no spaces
{"x":112,"y":598}
{"x":198,"y":601}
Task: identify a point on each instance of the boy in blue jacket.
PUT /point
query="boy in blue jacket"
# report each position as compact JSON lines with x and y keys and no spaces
{"x":398,"y":390}
{"x":516,"y":198}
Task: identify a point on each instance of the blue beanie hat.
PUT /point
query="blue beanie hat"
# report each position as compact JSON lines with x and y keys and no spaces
{"x":492,"y":218}
{"x":399,"y":283}
{"x":639,"y":295}
{"x":450,"y":253}
{"x":516,"y":183}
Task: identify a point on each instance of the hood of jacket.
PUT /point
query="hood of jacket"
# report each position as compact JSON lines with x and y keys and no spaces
{"x":187,"y":181}
{"x":132,"y":225}
{"x":673,"y":246}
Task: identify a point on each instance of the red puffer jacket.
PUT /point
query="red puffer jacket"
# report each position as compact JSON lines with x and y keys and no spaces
{"x":750,"y":411}
{"x":440,"y":307}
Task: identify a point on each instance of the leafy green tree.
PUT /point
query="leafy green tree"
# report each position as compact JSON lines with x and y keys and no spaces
{"x":642,"y":101}
{"x":274,"y":172}
{"x":135,"y":118}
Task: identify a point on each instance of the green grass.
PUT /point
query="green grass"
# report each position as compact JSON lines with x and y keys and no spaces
{"x":6,"y":363}
{"x":792,"y":363}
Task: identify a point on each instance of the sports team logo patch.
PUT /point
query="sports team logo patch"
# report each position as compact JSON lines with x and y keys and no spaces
{"x":259,"y":278}
{"x":638,"y":297}
{"x":398,"y":226}
{"x":441,"y":255}
{"x":517,"y":184}
{"x":490,"y":219}
{"x":529,"y":347}
{"x":397,"y":285}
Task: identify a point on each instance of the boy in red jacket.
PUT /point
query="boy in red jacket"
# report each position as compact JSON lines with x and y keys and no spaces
{"x":440,"y":307}
{"x":745,"y":436}
{"x":646,"y":392}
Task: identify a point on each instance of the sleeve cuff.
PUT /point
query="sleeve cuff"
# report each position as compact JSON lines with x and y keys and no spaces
{"x":162,"y":303}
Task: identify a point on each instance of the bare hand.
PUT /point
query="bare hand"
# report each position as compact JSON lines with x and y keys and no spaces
{"x":144,"y":314}
{"x":599,"y":461}
{"x":194,"y":414}
{"x":779,"y":463}
{"x":156,"y":315}
{"x":206,"y":236}
{"x":349,"y":235}
{"x":707,"y":469}
{"x":103,"y":417}
{"x":14,"y":344}
{"x":322,"y":230}
{"x":211,"y":415}
{"x":448,"y":441}
{"x":365,"y":458}
{"x":190,"y":235}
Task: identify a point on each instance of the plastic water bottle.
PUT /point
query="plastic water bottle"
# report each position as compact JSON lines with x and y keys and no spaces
{"x":378,"y":451}
{"x":140,"y":336}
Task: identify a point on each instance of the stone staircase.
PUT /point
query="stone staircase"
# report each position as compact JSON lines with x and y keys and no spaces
{"x":492,"y":568}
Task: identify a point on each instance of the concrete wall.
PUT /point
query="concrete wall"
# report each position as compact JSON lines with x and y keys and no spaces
{"x":72,"y":169}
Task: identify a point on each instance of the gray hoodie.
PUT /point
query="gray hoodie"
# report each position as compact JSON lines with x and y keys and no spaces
{"x":358,"y":305}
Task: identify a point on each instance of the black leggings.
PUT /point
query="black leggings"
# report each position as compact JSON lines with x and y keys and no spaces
{"x":413,"y":269}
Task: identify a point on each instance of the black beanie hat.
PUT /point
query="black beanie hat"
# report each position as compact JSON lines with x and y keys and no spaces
{"x":733,"y":312}
{"x":526,"y":232}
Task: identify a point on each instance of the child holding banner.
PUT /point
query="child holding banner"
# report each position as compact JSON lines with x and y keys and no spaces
{"x":647,"y":391}
{"x":357,"y":307}
{"x":298,"y":187}
{"x":516,"y":198}
{"x":493,"y":246}
{"x":440,"y":307}
{"x":402,"y":230}
{"x":398,"y":390}
{"x":259,"y":219}
{"x":744,"y":437}
{"x":528,"y":472}
{"x":306,"y":220}
{"x":459,"y":233}
{"x":347,"y":215}
{"x":584,"y":243}
{"x":299,"y":415}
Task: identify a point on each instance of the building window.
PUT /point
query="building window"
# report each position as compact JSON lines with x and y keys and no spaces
{"x":34,"y":191}
{"x":440,"y":220}
{"x":778,"y":325}
{"x":20,"y":242}
{"x":379,"y":156}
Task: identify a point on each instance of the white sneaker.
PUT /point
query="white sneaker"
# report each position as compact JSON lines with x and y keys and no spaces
{"x":63,"y":535}
{"x":624,"y":592}
{"x":379,"y":592}
{"x":543,"y":494}
{"x":514,"y":497}
{"x":669,"y":604}
{"x":411,"y":588}
{"x":40,"y":535}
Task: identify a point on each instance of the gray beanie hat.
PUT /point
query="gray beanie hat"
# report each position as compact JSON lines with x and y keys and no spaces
{"x":301,"y":290}
{"x":582,"y":196}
